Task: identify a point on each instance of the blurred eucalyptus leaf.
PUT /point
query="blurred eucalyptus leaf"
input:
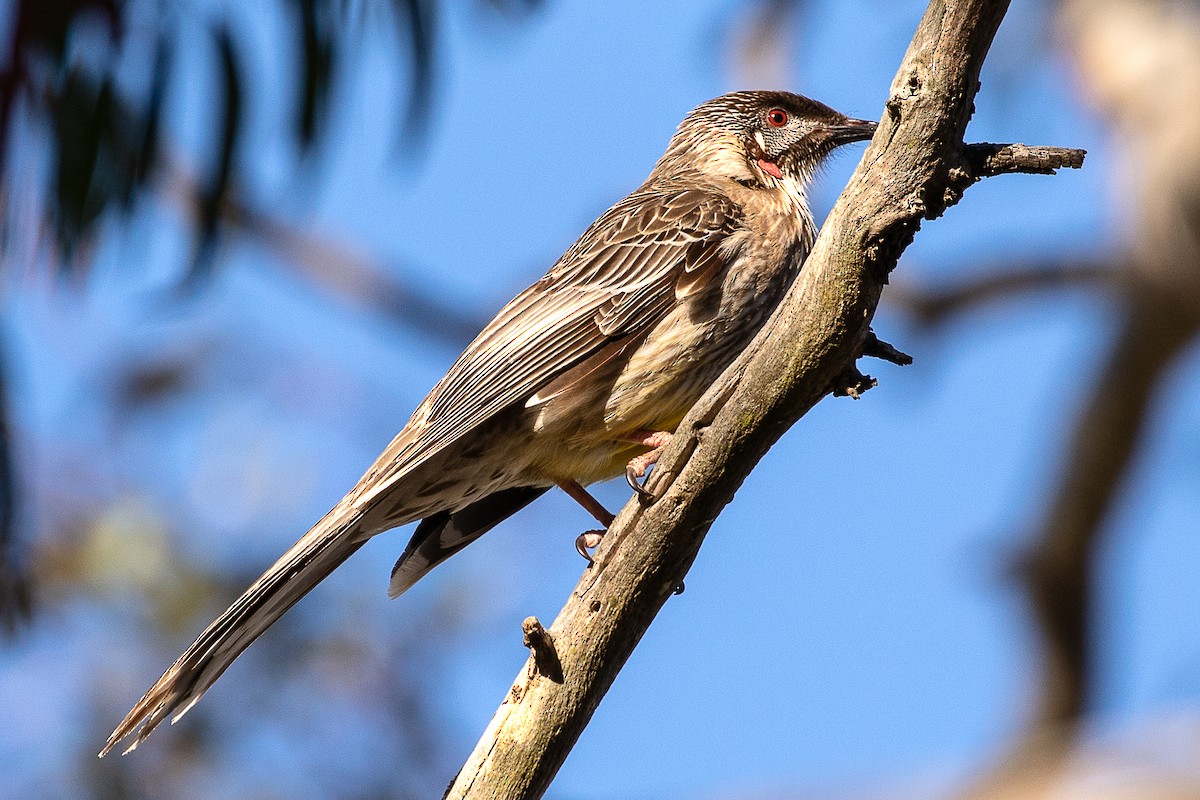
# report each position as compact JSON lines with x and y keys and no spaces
{"x":77,"y":73}
{"x":213,"y":192}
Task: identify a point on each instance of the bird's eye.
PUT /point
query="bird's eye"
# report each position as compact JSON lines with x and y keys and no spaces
{"x":777,"y":117}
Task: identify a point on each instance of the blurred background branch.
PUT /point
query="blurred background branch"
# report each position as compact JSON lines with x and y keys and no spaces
{"x":999,"y":284}
{"x":354,"y":277}
{"x":1139,"y":62}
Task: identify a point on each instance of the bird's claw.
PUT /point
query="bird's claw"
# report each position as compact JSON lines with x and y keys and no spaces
{"x":631,"y":477}
{"x":586,"y":542}
{"x":657,"y":441}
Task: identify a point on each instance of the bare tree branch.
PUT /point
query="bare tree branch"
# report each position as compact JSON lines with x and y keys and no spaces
{"x":989,"y":160}
{"x":1060,"y":572}
{"x":356,"y":277}
{"x":1132,"y":58}
{"x":914,"y":169}
{"x":334,"y":267}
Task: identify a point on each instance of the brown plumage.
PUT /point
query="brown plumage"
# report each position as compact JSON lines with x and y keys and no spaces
{"x":580,"y":373}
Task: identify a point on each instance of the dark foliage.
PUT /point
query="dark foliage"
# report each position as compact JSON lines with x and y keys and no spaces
{"x":68,"y":84}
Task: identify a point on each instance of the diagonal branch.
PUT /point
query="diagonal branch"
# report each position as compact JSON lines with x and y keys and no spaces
{"x":356,"y":277}
{"x":1060,"y":572}
{"x":914,"y":169}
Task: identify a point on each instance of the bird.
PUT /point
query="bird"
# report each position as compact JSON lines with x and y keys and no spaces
{"x":581,"y":377}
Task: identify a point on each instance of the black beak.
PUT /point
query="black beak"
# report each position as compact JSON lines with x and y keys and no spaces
{"x":852,"y":130}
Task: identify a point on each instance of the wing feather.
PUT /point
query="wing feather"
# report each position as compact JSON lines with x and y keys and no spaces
{"x":619,"y":278}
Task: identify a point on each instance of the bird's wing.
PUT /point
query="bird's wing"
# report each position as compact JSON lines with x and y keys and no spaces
{"x":623,"y":275}
{"x":619,"y":278}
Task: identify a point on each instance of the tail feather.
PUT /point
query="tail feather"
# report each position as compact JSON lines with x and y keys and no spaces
{"x":330,"y":542}
{"x":443,"y":534}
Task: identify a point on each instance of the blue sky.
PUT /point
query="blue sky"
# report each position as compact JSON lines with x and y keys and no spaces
{"x":848,"y":623}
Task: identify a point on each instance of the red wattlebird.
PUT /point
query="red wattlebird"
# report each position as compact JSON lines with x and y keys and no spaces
{"x":582,"y":377}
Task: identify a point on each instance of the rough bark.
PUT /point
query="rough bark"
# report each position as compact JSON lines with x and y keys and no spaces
{"x":916,"y":166}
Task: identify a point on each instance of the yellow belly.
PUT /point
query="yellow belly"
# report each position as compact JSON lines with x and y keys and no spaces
{"x":582,"y":434}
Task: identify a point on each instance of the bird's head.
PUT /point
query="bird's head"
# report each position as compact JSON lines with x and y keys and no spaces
{"x":761,"y":138}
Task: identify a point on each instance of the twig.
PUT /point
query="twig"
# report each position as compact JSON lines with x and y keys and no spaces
{"x":875,"y":347}
{"x":852,"y":383}
{"x":987,"y":160}
{"x":543,"y":657}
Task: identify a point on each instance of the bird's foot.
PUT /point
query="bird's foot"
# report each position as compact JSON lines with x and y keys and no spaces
{"x":635,"y":471}
{"x":637,"y":468}
{"x":586,"y":542}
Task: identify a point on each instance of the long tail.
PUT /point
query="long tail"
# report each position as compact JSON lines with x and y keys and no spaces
{"x":309,"y":561}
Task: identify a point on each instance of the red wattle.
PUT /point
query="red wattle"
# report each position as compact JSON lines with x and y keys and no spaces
{"x":770,"y":168}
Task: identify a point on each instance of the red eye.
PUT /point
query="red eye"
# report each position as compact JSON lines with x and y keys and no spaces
{"x":777,"y":117}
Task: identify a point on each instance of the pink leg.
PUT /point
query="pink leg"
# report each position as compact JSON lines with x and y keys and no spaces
{"x":588,"y":540}
{"x":655,"y":439}
{"x":591,"y":505}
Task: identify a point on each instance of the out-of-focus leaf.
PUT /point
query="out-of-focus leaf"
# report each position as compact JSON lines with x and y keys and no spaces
{"x":99,"y":143}
{"x":317,"y":67}
{"x":16,"y":595}
{"x":81,"y":111}
{"x":148,"y":147}
{"x":45,"y":25}
{"x":104,"y":136}
{"x":212,"y":196}
{"x":418,"y":20}
{"x":93,"y":129}
{"x":40,"y":31}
